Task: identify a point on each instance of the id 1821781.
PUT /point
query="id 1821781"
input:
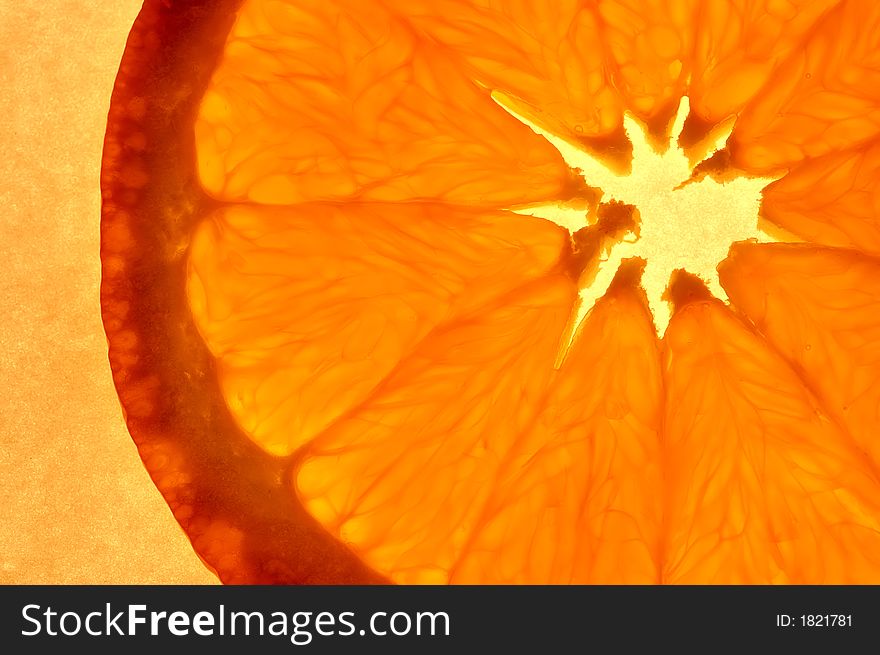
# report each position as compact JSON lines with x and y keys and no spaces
{"x":814,"y":620}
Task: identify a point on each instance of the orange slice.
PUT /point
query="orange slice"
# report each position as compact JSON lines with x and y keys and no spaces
{"x":353,"y":344}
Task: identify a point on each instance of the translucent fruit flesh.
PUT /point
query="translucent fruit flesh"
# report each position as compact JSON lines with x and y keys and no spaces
{"x":404,"y":354}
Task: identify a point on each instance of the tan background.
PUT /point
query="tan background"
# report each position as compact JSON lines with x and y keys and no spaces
{"x":76,"y":506}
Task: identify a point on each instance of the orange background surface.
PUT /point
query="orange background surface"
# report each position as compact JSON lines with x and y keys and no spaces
{"x":76,"y":505}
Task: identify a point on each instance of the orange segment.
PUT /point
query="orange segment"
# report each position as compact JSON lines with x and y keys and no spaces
{"x":578,"y":499}
{"x":403,"y":477}
{"x":738,"y":46}
{"x":825,"y":97}
{"x":762,"y":488}
{"x":307,"y":309}
{"x":320,"y":100}
{"x":544,"y":57}
{"x":833,"y":200}
{"x":820,"y":308}
{"x":650,"y":42}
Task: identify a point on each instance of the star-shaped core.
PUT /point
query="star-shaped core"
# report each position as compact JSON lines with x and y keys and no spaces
{"x":688,"y":226}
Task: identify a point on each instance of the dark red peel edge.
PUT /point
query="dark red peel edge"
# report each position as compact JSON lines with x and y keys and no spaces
{"x":230,"y":497}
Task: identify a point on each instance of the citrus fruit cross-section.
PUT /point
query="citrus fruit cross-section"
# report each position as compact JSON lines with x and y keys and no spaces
{"x":503,"y":291}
